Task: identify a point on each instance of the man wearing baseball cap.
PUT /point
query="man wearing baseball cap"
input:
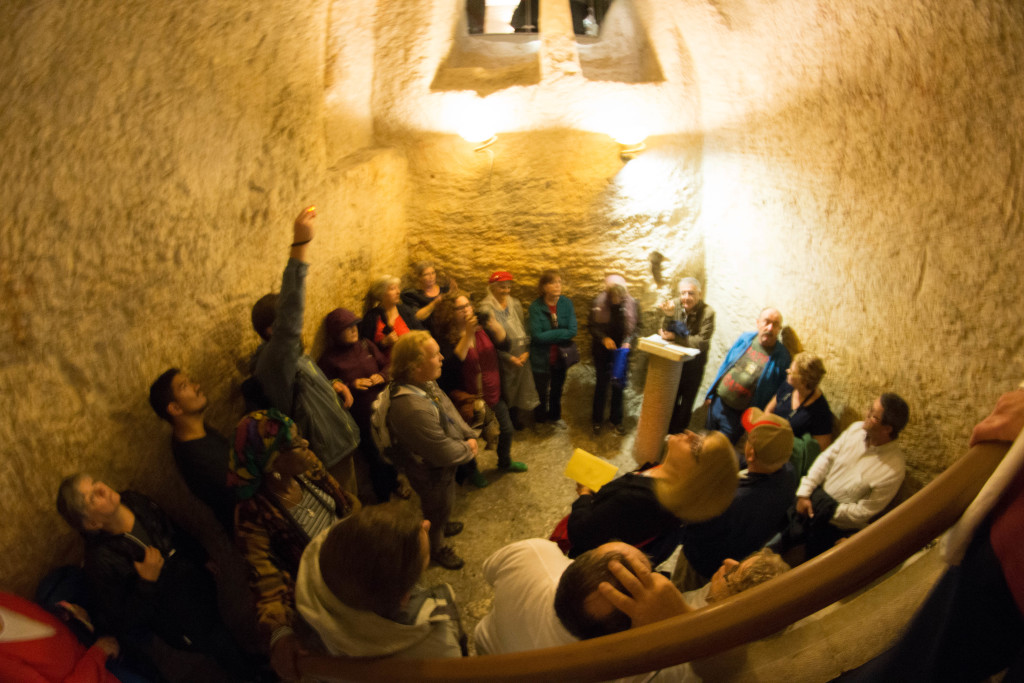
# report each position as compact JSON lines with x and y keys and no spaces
{"x":758,"y":510}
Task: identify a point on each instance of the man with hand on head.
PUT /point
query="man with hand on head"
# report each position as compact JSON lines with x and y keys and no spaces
{"x":613,"y":588}
{"x":749,"y":376}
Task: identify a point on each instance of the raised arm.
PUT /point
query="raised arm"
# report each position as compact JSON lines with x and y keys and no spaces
{"x":278,"y":361}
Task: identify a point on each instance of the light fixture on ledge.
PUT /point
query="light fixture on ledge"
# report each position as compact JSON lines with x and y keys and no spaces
{"x":627,"y":152}
{"x":630,"y":136}
{"x":479,"y":134}
{"x":485,"y":144}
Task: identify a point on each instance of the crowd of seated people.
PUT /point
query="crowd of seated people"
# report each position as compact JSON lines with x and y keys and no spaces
{"x":413,"y":407}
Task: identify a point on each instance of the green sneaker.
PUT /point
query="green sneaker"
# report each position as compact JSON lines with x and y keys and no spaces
{"x":477,"y":479}
{"x":513,"y":466}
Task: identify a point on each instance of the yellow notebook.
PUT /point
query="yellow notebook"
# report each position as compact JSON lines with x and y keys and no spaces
{"x":589,"y":470}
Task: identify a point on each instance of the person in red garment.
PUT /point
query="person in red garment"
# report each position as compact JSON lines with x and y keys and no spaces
{"x":35,"y":647}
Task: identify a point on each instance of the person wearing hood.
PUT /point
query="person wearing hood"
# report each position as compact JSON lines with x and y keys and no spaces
{"x":285,"y":498}
{"x":360,"y":367}
{"x":357,"y":587}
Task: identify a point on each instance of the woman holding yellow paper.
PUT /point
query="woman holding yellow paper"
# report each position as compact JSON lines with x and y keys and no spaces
{"x":695,"y":482}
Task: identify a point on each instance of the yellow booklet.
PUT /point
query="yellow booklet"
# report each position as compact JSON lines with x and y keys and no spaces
{"x":589,"y":470}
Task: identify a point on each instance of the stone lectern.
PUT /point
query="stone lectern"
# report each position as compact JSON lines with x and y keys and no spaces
{"x":663,"y":370}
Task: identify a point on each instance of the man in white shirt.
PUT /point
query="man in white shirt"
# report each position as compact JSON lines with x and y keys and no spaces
{"x":524,"y":575}
{"x":852,"y":480}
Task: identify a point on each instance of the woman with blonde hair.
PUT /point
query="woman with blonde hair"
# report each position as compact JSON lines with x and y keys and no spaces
{"x":429,"y":439}
{"x":696,"y":481}
{"x":385,"y":317}
{"x":801,"y":401}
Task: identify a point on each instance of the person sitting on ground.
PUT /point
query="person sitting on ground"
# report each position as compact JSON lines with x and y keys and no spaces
{"x":35,"y":646}
{"x":757,"y":512}
{"x":385,"y":317}
{"x":851,"y":481}
{"x":360,"y":366}
{"x":290,"y":380}
{"x":688,"y":322}
{"x":471,"y":376}
{"x":285,"y":498}
{"x":517,"y":385}
{"x":613,"y":324}
{"x":611,"y":589}
{"x":749,"y":376}
{"x":695,"y":482}
{"x":357,"y":588}
{"x":147,"y":576}
{"x":422,"y":298}
{"x":200,"y":452}
{"x":800,"y":401}
{"x":429,"y":439}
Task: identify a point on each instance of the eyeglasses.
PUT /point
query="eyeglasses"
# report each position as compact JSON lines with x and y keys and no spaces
{"x":696,"y":443}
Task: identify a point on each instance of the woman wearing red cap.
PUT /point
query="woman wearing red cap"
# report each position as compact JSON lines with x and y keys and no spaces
{"x":516,"y":380}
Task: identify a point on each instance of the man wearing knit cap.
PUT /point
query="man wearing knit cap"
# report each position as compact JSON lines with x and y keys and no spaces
{"x":758,"y":510}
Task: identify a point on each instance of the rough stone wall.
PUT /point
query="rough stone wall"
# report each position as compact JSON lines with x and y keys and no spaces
{"x":155,"y":155}
{"x":862,"y":172}
{"x":552,"y":191}
{"x":855,"y":164}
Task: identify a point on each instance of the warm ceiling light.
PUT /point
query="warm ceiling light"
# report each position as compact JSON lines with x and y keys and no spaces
{"x":627,"y":152}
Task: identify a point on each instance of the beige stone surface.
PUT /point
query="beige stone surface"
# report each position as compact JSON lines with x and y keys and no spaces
{"x":856,"y":164}
{"x":155,"y":155}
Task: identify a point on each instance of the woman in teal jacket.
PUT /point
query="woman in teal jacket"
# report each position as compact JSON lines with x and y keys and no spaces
{"x":552,"y":324}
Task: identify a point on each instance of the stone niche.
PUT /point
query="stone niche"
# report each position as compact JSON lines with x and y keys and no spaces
{"x":856,"y":165}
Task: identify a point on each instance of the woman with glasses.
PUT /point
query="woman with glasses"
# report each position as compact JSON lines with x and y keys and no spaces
{"x":471,"y":376}
{"x":552,"y":328}
{"x":695,"y":482}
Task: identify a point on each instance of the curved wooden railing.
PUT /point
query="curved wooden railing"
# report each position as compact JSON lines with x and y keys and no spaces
{"x":748,"y":616}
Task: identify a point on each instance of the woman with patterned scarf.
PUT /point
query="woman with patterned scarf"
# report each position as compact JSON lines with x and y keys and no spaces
{"x":285,"y":498}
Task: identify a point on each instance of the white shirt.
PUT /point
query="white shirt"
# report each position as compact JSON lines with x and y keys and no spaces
{"x":862,"y":479}
{"x":525,"y":575}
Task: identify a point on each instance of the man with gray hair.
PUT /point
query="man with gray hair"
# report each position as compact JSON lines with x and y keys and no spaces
{"x":607,"y":590}
{"x":751,"y":373}
{"x":688,"y":322}
{"x":544,"y":599}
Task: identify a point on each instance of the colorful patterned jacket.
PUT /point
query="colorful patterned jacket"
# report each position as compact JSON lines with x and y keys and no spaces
{"x":272,"y":543}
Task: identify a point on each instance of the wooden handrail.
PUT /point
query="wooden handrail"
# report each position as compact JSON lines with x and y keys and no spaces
{"x":748,"y":616}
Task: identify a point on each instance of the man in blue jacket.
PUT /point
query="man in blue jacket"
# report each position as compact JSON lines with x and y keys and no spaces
{"x":751,"y":373}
